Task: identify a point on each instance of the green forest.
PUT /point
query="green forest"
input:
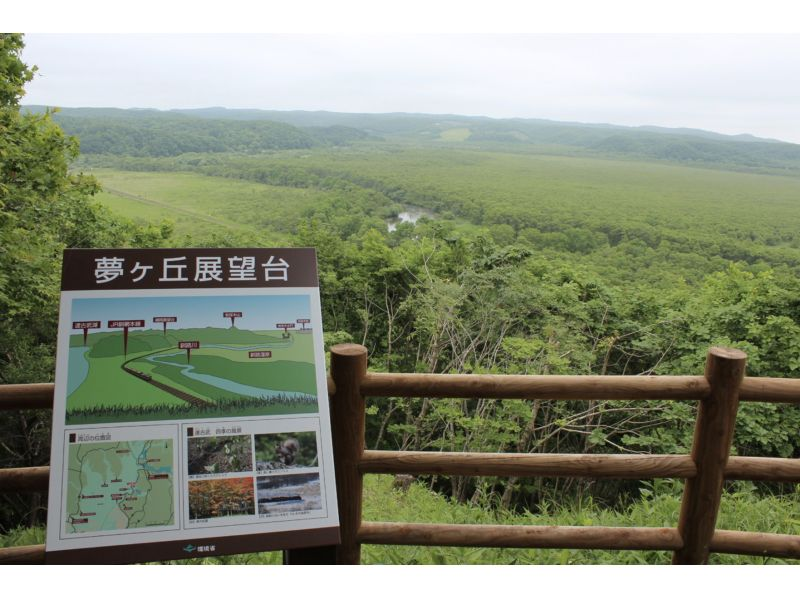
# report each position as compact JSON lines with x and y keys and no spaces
{"x":445,"y":244}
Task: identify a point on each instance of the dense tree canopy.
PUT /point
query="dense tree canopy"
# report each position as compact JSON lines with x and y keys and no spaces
{"x":43,"y":209}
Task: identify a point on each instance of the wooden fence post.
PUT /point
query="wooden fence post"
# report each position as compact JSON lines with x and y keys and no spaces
{"x":713,"y":433}
{"x":348,"y":368}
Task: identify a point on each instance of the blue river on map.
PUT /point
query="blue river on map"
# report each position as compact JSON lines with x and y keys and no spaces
{"x":151,"y":467}
{"x":229,"y":385}
{"x":78,"y":368}
{"x":253,"y":348}
{"x":162,"y":469}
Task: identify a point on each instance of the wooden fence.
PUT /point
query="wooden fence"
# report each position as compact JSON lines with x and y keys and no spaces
{"x":718,"y":393}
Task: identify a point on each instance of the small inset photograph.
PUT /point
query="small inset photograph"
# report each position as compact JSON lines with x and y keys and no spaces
{"x":289,"y":493}
{"x":220,"y":454}
{"x":292,"y":450}
{"x":229,"y":497}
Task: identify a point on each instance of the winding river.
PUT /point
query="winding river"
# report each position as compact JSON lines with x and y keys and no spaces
{"x":222,"y":383}
{"x":409,"y":214}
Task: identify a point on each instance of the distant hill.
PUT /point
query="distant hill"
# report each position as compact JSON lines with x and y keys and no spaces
{"x":394,"y":122}
{"x":146,"y":132}
{"x":707,"y":134}
{"x":158,"y":134}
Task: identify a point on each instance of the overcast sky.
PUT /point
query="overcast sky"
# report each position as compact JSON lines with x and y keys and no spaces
{"x":720,"y":82}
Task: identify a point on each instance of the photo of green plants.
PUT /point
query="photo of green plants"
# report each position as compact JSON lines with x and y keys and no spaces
{"x":220,"y":454}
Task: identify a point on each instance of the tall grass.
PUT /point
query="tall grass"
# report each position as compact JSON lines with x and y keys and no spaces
{"x":659,"y":505}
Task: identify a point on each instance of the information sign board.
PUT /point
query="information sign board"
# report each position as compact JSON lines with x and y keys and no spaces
{"x":200,"y":439}
{"x":164,"y":320}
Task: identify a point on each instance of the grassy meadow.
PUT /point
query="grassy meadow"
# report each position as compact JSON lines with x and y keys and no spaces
{"x":201,"y":205}
{"x":740,"y":510}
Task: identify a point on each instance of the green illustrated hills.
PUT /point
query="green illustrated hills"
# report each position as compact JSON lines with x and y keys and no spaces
{"x":157,"y":380}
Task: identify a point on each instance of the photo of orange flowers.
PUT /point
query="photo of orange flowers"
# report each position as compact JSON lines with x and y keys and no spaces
{"x":221,"y":498}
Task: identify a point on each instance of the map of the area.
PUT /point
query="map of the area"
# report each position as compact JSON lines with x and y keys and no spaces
{"x":119,"y":485}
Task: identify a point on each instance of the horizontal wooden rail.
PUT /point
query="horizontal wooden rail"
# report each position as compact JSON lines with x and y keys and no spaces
{"x":767,"y":469}
{"x":756,"y":544}
{"x":500,"y":536}
{"x":595,"y":388}
{"x":764,"y":469}
{"x":26,"y":396}
{"x":770,"y":390}
{"x":679,"y":388}
{"x":763,"y":390}
{"x":519,"y":536}
{"x":609,"y":538}
{"x":24,"y":479}
{"x":22,"y":555}
{"x":529,"y":465}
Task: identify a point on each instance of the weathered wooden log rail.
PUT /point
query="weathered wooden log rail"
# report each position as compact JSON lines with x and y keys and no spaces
{"x":718,"y":394}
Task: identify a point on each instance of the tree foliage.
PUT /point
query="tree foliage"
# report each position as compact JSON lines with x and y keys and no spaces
{"x":159,"y":134}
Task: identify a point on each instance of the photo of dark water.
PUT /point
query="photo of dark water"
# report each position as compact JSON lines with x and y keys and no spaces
{"x":289,"y":493}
